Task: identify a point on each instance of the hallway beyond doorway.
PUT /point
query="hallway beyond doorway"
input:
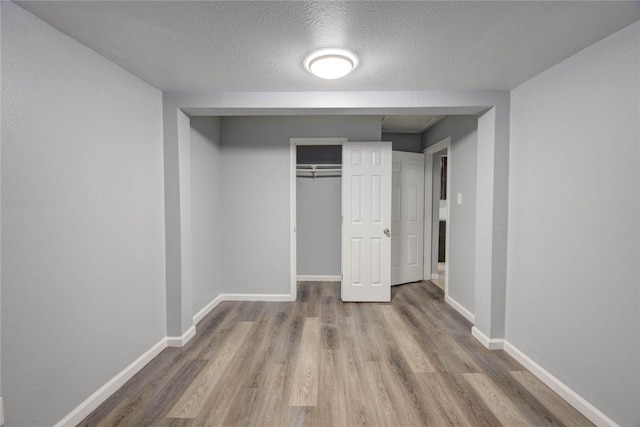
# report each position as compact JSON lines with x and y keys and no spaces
{"x":439,"y":282}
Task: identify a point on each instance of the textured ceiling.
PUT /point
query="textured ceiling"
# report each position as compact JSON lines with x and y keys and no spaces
{"x":261,"y":46}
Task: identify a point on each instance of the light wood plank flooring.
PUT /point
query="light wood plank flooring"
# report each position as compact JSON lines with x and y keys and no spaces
{"x":321,"y":362}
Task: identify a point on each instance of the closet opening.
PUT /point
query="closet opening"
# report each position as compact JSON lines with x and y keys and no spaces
{"x":316,"y":211}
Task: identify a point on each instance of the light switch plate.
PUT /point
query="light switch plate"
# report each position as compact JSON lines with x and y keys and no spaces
{"x":459,"y":198}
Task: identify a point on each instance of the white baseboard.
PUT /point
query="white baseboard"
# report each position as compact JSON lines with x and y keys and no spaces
{"x":108,"y":389}
{"x":181,"y":341}
{"x":319,"y":278}
{"x":256,"y":297}
{"x":236,"y":297}
{"x":74,"y":417}
{"x":490,"y":343}
{"x":207,"y":309}
{"x":96,"y":399}
{"x":460,"y":309}
{"x":574,"y":399}
{"x":435,"y":276}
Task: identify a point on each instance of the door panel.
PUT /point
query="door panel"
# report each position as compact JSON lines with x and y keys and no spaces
{"x":356,"y":261}
{"x":376,"y":262}
{"x":412,"y":249}
{"x":366,"y":201}
{"x":412,"y":203}
{"x":356,"y":199}
{"x":408,"y":219}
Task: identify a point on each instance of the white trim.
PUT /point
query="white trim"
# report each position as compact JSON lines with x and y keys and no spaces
{"x":574,"y":399}
{"x":1,"y":412}
{"x":319,"y":278}
{"x":490,"y":343}
{"x":293,"y":143}
{"x":438,"y":146}
{"x":447,"y":238}
{"x":182,"y":340}
{"x":206,"y":309}
{"x":256,"y":297}
{"x":108,"y":389}
{"x":443,"y":144}
{"x":317,"y":141}
{"x":78,"y":414}
{"x":428,"y":214}
{"x":246,"y":297}
{"x":460,"y":309}
{"x":74,"y":417}
{"x":293,"y":220}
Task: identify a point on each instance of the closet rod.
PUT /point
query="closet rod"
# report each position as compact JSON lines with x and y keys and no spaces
{"x":320,"y":166}
{"x":318,"y":170}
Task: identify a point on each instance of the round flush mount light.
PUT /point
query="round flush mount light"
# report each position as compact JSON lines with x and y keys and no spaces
{"x":331,"y":63}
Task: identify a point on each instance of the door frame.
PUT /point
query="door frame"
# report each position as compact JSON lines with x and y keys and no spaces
{"x":293,"y":205}
{"x":428,"y":208}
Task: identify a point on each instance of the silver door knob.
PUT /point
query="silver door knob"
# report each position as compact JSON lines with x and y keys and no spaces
{"x":387,"y":232}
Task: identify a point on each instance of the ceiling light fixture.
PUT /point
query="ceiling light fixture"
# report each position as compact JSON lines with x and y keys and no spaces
{"x":331,"y":63}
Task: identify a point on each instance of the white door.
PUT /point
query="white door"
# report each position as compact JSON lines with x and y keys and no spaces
{"x":407,"y":218}
{"x":366,"y":221}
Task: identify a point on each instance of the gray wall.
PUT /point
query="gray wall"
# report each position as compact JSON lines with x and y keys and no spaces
{"x":206,"y":210}
{"x":319,"y":210}
{"x":574,"y":232}
{"x":436,"y":133}
{"x":411,"y":142}
{"x":83,"y":291}
{"x":463,"y":163}
{"x":255,"y":170}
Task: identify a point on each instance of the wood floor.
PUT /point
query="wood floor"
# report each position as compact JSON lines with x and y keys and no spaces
{"x":321,"y":362}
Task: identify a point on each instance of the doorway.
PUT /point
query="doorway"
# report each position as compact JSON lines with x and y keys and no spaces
{"x":437,"y":224}
{"x":310,"y":164}
{"x":365,"y":213}
{"x":315,"y":181}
